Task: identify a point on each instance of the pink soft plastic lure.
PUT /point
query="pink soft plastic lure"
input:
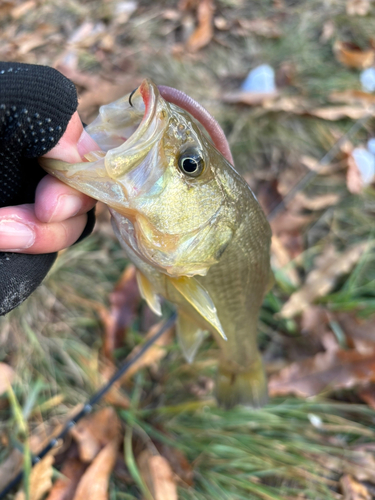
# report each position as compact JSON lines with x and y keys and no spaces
{"x":196,"y":110}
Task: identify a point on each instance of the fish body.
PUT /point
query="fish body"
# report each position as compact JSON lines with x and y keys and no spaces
{"x":189,"y":223}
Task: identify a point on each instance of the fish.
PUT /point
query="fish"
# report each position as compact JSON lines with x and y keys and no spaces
{"x":188,"y":221}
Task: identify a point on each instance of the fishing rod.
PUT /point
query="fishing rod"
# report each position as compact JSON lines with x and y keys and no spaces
{"x":87,"y":409}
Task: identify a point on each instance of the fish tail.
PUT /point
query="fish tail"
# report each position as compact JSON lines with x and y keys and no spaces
{"x":246,"y":387}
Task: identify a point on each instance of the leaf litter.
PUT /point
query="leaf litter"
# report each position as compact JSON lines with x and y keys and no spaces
{"x":102,"y":47}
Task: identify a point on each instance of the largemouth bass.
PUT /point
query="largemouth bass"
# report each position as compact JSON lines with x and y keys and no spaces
{"x":188,"y":221}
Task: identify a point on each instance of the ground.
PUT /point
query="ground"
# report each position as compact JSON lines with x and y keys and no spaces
{"x":159,"y":434}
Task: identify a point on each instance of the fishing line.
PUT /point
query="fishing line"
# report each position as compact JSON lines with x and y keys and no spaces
{"x":87,"y":409}
{"x":327,"y":158}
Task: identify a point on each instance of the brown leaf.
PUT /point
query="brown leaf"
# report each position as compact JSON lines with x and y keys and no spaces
{"x":352,"y":489}
{"x":154,"y":354}
{"x":353,"y":56}
{"x":357,"y":7}
{"x":7,"y":375}
{"x":327,"y":371}
{"x":251,"y":98}
{"x":280,"y":260}
{"x":354,"y":178}
{"x":158,"y":476}
{"x":204,"y":31}
{"x":124,"y":301}
{"x":95,"y":431}
{"x":261,"y":27}
{"x":318,"y":202}
{"x":367,"y":394}
{"x":359,"y":333}
{"x":94,"y":482}
{"x":179,"y":463}
{"x":64,"y":487}
{"x":22,"y":9}
{"x":40,"y":481}
{"x":320,"y":281}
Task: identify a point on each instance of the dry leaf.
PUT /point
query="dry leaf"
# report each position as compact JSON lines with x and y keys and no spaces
{"x":358,"y":7}
{"x":359,"y":333}
{"x":318,"y":202}
{"x":7,"y":375}
{"x":320,"y":281}
{"x":64,"y":487}
{"x":22,"y":9}
{"x":94,"y":482}
{"x":40,"y":479}
{"x":204,"y":31}
{"x":250,"y":98}
{"x":124,"y":302}
{"x":352,"y":489}
{"x":261,"y":27}
{"x":153,"y":354}
{"x":333,"y":113}
{"x":367,"y":394}
{"x":158,"y":476}
{"x":280,"y":260}
{"x":179,"y":463}
{"x":327,"y":371}
{"x":94,"y":432}
{"x":353,"y":56}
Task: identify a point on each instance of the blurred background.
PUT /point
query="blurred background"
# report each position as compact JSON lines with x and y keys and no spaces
{"x":292,"y":84}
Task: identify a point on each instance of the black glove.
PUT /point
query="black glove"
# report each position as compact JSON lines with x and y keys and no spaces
{"x":36,"y":104}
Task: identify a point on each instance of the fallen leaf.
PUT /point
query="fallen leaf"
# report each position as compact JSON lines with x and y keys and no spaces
{"x":158,"y":476}
{"x":179,"y":463}
{"x":94,"y":482}
{"x":358,"y":7}
{"x":281,"y":259}
{"x":318,"y":202}
{"x":94,"y":432}
{"x":40,"y":481}
{"x":64,"y":488}
{"x":352,"y":489}
{"x":153,"y":354}
{"x":261,"y":27}
{"x":250,"y":98}
{"x":354,"y":97}
{"x":353,"y":56}
{"x":359,"y":333}
{"x":333,"y":113}
{"x":204,"y":31}
{"x":328,"y":371}
{"x":124,"y":302}
{"x":23,"y":9}
{"x":7,"y":375}
{"x":320,"y":281}
{"x":367,"y":394}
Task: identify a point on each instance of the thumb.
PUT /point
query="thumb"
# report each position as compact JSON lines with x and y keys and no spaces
{"x":74,"y":144}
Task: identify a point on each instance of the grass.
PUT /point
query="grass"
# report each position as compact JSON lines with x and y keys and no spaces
{"x":292,"y":448}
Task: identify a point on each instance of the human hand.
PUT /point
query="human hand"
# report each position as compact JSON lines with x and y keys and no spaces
{"x":37,"y":105}
{"x":58,"y":217}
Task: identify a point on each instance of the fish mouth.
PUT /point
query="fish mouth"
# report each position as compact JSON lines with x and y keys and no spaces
{"x":126,"y":131}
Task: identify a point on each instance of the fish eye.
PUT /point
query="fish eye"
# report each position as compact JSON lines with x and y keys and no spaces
{"x":191,"y":163}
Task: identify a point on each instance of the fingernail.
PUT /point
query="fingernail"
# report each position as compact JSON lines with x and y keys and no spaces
{"x":15,"y":235}
{"x":68,"y":205}
{"x":86,"y":144}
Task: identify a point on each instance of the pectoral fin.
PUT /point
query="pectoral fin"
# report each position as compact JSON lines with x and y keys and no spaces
{"x":199,"y":298}
{"x":148,"y":293}
{"x":189,"y":336}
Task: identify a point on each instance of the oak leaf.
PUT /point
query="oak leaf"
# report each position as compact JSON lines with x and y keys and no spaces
{"x":158,"y":476}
